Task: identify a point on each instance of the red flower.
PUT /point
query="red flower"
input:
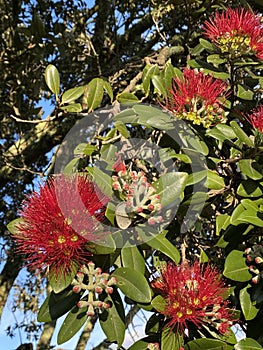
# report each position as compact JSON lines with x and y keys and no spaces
{"x":194,"y":294}
{"x":58,"y":222}
{"x":256,"y":118}
{"x":236,"y":31}
{"x":196,"y":96}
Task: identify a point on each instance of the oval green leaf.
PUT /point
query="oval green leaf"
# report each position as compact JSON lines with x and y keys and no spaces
{"x":131,"y":257}
{"x":52,"y":79}
{"x":72,"y":324}
{"x":247,"y":344}
{"x":133,"y":284}
{"x":236,"y":268}
{"x":72,"y":95}
{"x":249,"y":309}
{"x":112,"y":320}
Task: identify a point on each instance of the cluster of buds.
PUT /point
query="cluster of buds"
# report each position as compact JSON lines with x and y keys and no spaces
{"x":138,"y":194}
{"x":94,"y":281}
{"x":254,"y":257}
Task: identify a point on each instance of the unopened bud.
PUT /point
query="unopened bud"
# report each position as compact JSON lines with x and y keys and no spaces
{"x":258,"y":260}
{"x":76,"y":289}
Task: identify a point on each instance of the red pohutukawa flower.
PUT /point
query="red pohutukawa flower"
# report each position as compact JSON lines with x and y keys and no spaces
{"x":58,"y":222}
{"x":197,"y":97}
{"x":194,"y":294}
{"x":237,"y":32}
{"x":255,"y":118}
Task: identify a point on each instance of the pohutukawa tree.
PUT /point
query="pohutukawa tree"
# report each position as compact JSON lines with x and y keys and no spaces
{"x":153,"y":201}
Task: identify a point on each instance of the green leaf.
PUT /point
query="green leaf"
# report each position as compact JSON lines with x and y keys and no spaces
{"x":244,"y":92}
{"x":206,"y":344}
{"x":159,"y":85}
{"x":72,"y":95}
{"x":171,"y":340}
{"x":133,"y":284}
{"x":112,"y":320}
{"x":103,"y":245}
{"x":131,"y":257}
{"x":248,"y":308}
{"x":159,"y":303}
{"x":13,"y":226}
{"x":165,"y":187}
{"x":242,"y":136}
{"x":249,"y":188}
{"x":142,"y":344}
{"x":121,"y":127}
{"x":247,"y":344}
{"x":214,"y":181}
{"x":72,"y":108}
{"x":161,"y":243}
{"x":61,"y":280}
{"x":250,"y":168}
{"x":148,"y":73}
{"x":52,"y":79}
{"x":72,"y":324}
{"x":127,"y":98}
{"x":168,"y":75}
{"x":215,"y":59}
{"x":108,"y":88}
{"x":236,"y":268}
{"x":56,"y":305}
{"x":222,"y":222}
{"x":103,"y":181}
{"x":207,"y":45}
{"x":94,"y":93}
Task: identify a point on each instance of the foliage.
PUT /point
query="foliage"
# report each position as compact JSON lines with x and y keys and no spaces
{"x":178,"y":190}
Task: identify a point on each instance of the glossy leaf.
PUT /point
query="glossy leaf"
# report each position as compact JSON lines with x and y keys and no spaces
{"x":103,"y":181}
{"x":159,"y":85}
{"x":127,"y":98}
{"x":214,"y":181}
{"x":236,"y":268}
{"x":94,"y":93}
{"x":107,"y":87}
{"x":162,"y":244}
{"x":148,"y":73}
{"x":168,"y":192}
{"x":60,"y":281}
{"x":171,"y":340}
{"x":247,"y":344}
{"x":158,"y":303}
{"x":249,"y":309}
{"x":133,"y":284}
{"x":13,"y":226}
{"x":72,"y":94}
{"x":244,"y":92}
{"x":72,"y":108}
{"x":56,"y":305}
{"x":250,"y":168}
{"x":207,"y":344}
{"x":131,"y":257}
{"x":142,"y":344}
{"x":52,"y":79}
{"x":241,"y":134}
{"x":249,"y":188}
{"x":72,"y":324}
{"x":112,"y":320}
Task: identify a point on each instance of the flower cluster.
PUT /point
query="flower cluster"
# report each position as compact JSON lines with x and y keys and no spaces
{"x":254,"y":257}
{"x":58,"y":222}
{"x":194,"y":294}
{"x":138,"y":194}
{"x":237,"y":32}
{"x":96,"y":282}
{"x":256,"y":118}
{"x":196,"y":97}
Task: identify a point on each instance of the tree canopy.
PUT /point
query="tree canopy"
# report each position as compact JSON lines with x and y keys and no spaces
{"x":143,"y":186}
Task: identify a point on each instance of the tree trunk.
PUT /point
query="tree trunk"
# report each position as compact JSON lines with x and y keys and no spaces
{"x":45,"y":338}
